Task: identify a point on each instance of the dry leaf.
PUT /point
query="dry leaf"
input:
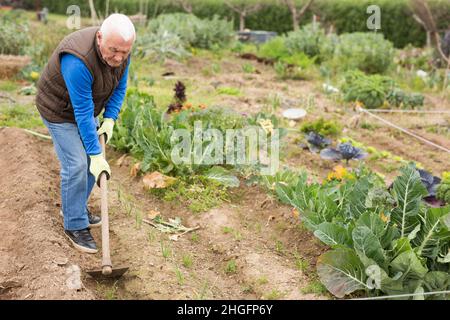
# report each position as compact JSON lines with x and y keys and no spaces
{"x":152,"y":214}
{"x":156,"y":180}
{"x":174,"y":237}
{"x":135,"y":169}
{"x":120,"y":161}
{"x":295,"y":213}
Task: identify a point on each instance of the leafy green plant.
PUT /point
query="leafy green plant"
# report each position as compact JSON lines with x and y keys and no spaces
{"x":231,"y":267}
{"x":401,"y":99}
{"x":323,"y":127}
{"x":288,"y":71}
{"x":300,"y":60}
{"x":370,"y":90}
{"x":443,"y":191}
{"x":383,"y":241}
{"x":274,"y":49}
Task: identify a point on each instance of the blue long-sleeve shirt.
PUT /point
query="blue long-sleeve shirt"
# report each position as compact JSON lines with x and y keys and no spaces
{"x":79,"y":82}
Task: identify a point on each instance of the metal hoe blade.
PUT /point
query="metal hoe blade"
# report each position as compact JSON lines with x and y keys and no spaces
{"x":114,"y":274}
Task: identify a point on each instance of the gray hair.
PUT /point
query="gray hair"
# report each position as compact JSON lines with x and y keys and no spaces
{"x":119,"y":24}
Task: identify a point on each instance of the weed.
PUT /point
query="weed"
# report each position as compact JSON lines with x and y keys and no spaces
{"x":180,"y":276}
{"x":231,"y":267}
{"x":195,"y":237}
{"x":187,"y":260}
{"x":315,"y":287}
{"x":165,"y":250}
{"x":279,"y":247}
{"x":262,"y":280}
{"x":248,"y":68}
{"x":300,"y":263}
{"x":273,"y":295}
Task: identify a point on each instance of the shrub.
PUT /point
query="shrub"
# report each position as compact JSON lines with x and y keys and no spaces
{"x":160,"y":45}
{"x":274,"y":49}
{"x":402,"y":99}
{"x":14,"y":37}
{"x":309,"y":39}
{"x":195,"y":32}
{"x":371,"y":90}
{"x":368,"y":52}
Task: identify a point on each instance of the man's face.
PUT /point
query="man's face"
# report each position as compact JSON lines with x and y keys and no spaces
{"x":113,"y":48}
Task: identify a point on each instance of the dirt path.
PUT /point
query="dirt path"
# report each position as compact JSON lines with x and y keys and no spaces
{"x":35,"y":255}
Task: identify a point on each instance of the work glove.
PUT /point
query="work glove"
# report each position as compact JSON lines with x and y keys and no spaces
{"x":99,"y":165}
{"x":106,"y":128}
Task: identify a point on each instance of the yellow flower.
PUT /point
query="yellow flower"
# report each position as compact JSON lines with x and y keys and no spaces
{"x":330,"y":176}
{"x":339,"y":173}
{"x":383,"y":217}
{"x":34,"y":75}
{"x":295,"y":213}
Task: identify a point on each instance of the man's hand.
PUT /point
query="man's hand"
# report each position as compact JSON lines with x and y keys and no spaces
{"x":99,"y":165}
{"x":106,"y":128}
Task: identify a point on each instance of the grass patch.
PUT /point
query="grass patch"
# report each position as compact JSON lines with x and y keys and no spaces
{"x":229,"y":91}
{"x":315,"y":287}
{"x":262,"y":280}
{"x":300,"y":263}
{"x":187,"y":260}
{"x":20,"y":116}
{"x":195,"y":237}
{"x":8,"y":86}
{"x":231,"y":267}
{"x":273,"y":295}
{"x":165,"y":250}
{"x":180,"y":276}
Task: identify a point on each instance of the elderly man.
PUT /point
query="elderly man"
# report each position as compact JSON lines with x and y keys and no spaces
{"x":86,"y":74}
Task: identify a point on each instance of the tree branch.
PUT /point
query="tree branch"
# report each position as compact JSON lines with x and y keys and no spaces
{"x":305,"y":7}
{"x":232,"y":7}
{"x":424,"y":17}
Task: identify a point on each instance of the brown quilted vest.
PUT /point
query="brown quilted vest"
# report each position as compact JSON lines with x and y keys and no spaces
{"x":52,"y":99}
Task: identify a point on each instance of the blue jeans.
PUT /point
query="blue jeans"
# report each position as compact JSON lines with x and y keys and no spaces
{"x":76,"y":180}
